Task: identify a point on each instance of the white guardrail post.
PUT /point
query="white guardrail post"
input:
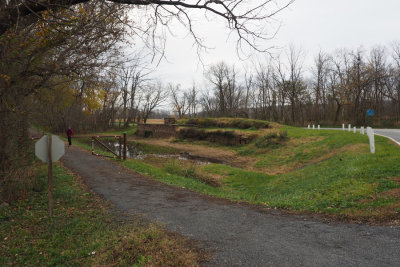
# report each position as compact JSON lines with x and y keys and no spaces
{"x":370,"y":133}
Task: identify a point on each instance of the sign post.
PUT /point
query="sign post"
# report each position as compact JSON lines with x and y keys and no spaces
{"x":370,"y":116}
{"x":50,"y":176}
{"x":49,"y":149}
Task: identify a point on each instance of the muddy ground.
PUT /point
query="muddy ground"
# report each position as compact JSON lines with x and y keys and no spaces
{"x":238,"y":234}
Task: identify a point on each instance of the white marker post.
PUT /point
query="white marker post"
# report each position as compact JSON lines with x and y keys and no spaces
{"x":354,"y":129}
{"x":313,"y":126}
{"x":308,"y":126}
{"x":319,"y":127}
{"x":349,"y":127}
{"x":370,"y":133}
{"x":362,"y":130}
{"x":343,"y":126}
{"x":49,"y":149}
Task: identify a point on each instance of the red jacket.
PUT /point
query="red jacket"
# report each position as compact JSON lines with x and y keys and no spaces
{"x":70,"y":132}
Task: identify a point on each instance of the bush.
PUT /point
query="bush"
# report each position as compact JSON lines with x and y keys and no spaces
{"x":271,"y":140}
{"x":148,"y":133}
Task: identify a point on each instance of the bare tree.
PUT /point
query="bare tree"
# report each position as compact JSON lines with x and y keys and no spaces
{"x":245,"y":18}
{"x":193,"y":101}
{"x":319,"y":86}
{"x":153,"y":97}
{"x":180,"y":100}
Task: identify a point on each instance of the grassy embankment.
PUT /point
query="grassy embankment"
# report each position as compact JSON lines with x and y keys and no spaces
{"x":329,"y":172}
{"x":82,"y":231}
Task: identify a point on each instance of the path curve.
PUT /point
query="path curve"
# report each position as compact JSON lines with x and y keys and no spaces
{"x":393,"y":134}
{"x":238,"y":234}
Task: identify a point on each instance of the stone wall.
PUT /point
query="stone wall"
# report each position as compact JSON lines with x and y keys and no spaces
{"x":157,"y":130}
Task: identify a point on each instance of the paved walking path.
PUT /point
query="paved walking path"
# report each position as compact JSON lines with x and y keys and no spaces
{"x":240,"y":235}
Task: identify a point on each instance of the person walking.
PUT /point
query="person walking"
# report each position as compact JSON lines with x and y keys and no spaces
{"x":70,"y":133}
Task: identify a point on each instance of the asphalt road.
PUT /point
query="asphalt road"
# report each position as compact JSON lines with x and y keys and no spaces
{"x":238,"y":234}
{"x":392,"y":133}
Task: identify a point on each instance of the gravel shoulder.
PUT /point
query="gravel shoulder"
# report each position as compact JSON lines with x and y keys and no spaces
{"x":238,"y":234}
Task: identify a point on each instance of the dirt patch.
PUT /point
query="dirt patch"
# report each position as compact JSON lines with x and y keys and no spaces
{"x":387,"y":215}
{"x":393,"y":193}
{"x":396,"y":179}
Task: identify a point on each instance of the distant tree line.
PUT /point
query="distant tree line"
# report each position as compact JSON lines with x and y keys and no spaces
{"x":340,"y":89}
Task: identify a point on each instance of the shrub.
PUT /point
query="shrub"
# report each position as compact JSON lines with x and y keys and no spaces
{"x":271,"y":140}
{"x":148,"y":133}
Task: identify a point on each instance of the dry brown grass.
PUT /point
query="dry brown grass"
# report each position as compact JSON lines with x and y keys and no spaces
{"x":396,"y":179}
{"x":155,"y":121}
{"x":277,"y":169}
{"x":393,"y":193}
{"x":386,"y":214}
{"x":184,"y":164}
{"x":220,"y":153}
{"x":152,"y":246}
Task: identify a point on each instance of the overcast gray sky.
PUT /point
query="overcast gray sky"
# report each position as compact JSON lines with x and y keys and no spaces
{"x":313,"y":25}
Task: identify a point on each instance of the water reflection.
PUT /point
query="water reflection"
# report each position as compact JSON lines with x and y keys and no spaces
{"x":134,"y":151}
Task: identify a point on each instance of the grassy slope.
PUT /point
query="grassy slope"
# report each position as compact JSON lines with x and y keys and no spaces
{"x":81,"y":232}
{"x":350,"y":182}
{"x":329,"y":172}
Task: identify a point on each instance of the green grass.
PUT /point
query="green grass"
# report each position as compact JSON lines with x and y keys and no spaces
{"x":131,"y":130}
{"x":347,"y":183}
{"x":327,"y":171}
{"x":305,"y":146}
{"x":82,"y":231}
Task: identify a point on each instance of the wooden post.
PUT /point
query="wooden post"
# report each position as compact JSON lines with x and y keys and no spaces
{"x":120,"y":147}
{"x":92,"y":145}
{"x":50,"y":178}
{"x":124,"y":146}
